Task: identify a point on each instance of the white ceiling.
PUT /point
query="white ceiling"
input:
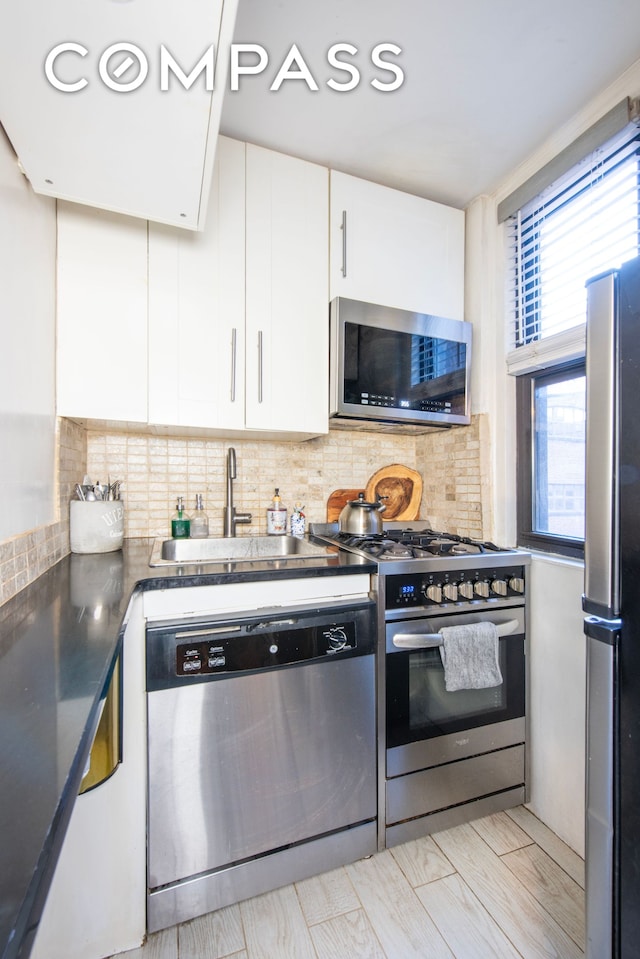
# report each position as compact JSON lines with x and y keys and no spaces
{"x":486,"y":82}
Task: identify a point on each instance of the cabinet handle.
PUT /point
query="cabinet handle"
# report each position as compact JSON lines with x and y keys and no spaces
{"x":233,"y":363}
{"x":259,"y":366}
{"x":343,"y":227}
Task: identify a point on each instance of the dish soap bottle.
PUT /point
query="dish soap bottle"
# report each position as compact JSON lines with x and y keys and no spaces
{"x":199,"y":520}
{"x":276,"y":516}
{"x":297,"y":520}
{"x":180,"y":523}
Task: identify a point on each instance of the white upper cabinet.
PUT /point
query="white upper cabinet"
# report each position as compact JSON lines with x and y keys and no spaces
{"x":235,"y":341}
{"x":118,"y":141}
{"x":395,"y":249}
{"x":101,"y":368}
{"x":231,"y":335}
{"x":196,"y":308}
{"x":286,"y":293}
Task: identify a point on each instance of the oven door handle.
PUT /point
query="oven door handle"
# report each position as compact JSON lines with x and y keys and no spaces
{"x":431,"y":640}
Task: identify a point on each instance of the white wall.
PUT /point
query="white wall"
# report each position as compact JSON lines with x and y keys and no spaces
{"x":556,"y":707}
{"x":492,"y":391}
{"x":27,"y":353}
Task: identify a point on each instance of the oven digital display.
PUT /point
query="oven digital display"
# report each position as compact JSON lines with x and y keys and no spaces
{"x":403,"y":591}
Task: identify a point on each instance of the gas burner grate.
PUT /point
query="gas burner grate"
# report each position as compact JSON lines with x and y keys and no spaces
{"x":430,"y":541}
{"x":375,"y":544}
{"x":410,"y":543}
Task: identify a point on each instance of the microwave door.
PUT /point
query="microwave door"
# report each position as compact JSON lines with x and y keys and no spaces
{"x":377,"y":364}
{"x":398,"y":367}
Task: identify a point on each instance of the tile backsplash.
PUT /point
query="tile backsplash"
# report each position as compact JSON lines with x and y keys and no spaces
{"x":156,"y":470}
{"x":454,"y":465}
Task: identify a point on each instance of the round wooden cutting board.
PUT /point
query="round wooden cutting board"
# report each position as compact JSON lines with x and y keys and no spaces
{"x":402,"y":488}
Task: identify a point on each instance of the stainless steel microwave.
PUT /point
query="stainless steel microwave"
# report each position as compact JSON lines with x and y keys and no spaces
{"x":396,"y":367}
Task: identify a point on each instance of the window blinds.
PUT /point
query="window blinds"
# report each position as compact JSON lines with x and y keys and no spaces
{"x":585,"y":223}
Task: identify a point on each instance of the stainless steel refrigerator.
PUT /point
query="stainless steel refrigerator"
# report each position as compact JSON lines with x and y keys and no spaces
{"x":612,"y":626}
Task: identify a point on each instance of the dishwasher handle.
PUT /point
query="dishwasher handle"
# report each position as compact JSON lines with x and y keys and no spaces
{"x":271,"y":623}
{"x":433,"y":640}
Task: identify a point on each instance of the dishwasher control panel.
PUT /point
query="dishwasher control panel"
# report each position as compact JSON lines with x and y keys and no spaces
{"x":270,"y":645}
{"x":188,"y":651}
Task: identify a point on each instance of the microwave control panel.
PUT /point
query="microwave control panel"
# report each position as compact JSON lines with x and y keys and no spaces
{"x":397,"y":403}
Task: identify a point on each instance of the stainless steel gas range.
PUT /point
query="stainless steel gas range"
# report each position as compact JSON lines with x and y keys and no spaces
{"x":443,"y":757}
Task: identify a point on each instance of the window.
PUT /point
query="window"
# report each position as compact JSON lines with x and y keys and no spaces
{"x":551,"y":457}
{"x":585,"y":223}
{"x":589,"y":226}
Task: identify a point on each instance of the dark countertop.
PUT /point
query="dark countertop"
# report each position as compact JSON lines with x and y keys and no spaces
{"x":59,"y":640}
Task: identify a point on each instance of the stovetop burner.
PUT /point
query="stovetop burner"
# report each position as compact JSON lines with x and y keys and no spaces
{"x":414,"y":544}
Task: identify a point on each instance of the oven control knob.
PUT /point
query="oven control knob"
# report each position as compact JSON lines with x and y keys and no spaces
{"x":434,"y":593}
{"x":466,"y":590}
{"x":450,"y":591}
{"x":516,"y":583}
{"x":482,"y":589}
{"x":499,"y":587}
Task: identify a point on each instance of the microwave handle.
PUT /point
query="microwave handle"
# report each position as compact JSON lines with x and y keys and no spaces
{"x":431,"y":640}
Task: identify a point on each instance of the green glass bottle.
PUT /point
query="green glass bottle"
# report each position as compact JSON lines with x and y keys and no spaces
{"x":180,"y":523}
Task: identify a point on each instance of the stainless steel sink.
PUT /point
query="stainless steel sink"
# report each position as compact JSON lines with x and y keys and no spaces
{"x":171,"y":552}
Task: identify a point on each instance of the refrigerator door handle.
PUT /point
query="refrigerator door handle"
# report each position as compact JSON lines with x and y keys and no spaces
{"x":602,"y":724}
{"x":602,"y":508}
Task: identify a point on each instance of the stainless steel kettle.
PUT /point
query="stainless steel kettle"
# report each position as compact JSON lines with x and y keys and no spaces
{"x":360,"y":517}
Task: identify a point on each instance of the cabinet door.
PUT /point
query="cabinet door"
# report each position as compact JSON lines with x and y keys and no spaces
{"x":102,"y":315}
{"x":96,"y":904}
{"x":147,"y":152}
{"x":395,"y":249}
{"x":196,"y":308}
{"x":286,"y":293}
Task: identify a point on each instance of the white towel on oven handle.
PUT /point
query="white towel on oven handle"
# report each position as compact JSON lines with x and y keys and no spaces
{"x":470,"y":656}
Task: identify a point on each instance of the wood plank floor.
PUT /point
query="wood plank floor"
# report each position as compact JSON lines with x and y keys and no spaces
{"x":503,"y":887}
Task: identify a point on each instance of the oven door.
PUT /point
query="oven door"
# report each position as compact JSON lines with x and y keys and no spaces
{"x":425,"y":724}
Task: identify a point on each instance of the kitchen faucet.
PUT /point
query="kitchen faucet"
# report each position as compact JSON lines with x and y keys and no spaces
{"x":231,"y":517}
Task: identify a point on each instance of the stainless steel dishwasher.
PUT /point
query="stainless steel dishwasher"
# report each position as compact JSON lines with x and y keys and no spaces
{"x":262,"y":753}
